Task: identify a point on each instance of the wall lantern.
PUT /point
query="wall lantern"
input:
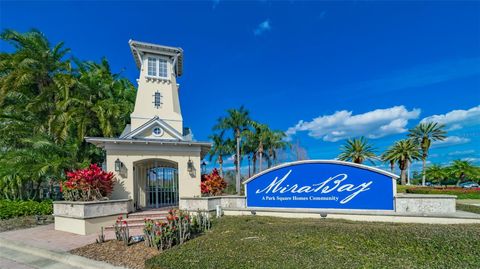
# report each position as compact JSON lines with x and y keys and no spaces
{"x":118,"y":165}
{"x":204,"y":168}
{"x":190,"y":166}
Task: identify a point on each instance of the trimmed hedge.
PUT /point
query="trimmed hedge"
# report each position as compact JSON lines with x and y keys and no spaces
{"x":461,"y":193}
{"x":12,"y":208}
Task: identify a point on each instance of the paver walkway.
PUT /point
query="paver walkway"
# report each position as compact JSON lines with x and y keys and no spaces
{"x":46,"y":237}
{"x":43,"y":247}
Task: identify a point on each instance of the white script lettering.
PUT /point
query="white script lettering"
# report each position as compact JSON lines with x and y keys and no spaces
{"x":322,"y":187}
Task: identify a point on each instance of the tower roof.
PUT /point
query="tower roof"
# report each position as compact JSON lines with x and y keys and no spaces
{"x":139,"y":48}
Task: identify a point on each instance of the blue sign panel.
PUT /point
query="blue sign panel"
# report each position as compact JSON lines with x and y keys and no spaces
{"x":322,"y":184}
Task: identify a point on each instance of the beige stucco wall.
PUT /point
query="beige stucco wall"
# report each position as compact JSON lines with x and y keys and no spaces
{"x":210,"y":203}
{"x":144,"y":108}
{"x":83,"y":226}
{"x":88,"y":217}
{"x":127,"y":187}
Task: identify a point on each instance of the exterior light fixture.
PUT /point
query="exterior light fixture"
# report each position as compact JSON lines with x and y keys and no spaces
{"x":190,"y":166}
{"x":204,"y":167}
{"x":118,"y":165}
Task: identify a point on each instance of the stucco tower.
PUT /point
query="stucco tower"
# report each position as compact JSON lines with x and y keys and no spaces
{"x":157,"y":113}
{"x":155,"y":159}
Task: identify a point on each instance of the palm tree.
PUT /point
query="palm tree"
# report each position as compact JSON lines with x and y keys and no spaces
{"x":276,"y":141}
{"x":48,"y":105}
{"x":424,"y":134}
{"x":249,"y":148}
{"x":403,"y":152}
{"x":391,"y":163}
{"x":436,"y":173}
{"x":257,"y":140}
{"x":357,"y":150}
{"x":462,"y":170}
{"x":237,"y":121}
{"x":221,"y":148}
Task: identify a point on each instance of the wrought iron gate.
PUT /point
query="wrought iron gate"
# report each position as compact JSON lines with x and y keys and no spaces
{"x":162,"y":187}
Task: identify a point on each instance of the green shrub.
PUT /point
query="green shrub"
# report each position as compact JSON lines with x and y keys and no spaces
{"x":12,"y":208}
{"x":402,"y":188}
{"x":461,"y":193}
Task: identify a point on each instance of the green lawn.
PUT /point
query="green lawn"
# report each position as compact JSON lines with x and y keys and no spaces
{"x":267,"y":242}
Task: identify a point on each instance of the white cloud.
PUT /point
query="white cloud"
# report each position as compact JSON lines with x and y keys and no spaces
{"x":471,"y":160}
{"x":450,"y":141}
{"x":461,"y":152}
{"x":262,"y":27}
{"x":342,"y":124}
{"x":457,"y":119}
{"x":229,"y":160}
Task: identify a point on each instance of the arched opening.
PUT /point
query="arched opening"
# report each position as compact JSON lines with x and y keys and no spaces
{"x":156,"y":183}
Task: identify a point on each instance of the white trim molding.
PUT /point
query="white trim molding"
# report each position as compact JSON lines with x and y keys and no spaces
{"x":149,"y":124}
{"x":361,"y":166}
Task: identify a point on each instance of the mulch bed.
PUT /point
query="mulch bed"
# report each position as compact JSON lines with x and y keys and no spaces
{"x":116,"y":253}
{"x":23,"y":222}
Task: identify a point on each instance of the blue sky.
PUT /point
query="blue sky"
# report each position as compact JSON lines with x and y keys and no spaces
{"x":322,"y":71}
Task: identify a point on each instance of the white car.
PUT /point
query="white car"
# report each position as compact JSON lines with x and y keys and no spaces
{"x":469,"y":184}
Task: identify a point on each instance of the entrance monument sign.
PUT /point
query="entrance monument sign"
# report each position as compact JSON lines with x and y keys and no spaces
{"x":326,"y":184}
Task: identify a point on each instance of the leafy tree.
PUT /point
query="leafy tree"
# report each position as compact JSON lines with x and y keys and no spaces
{"x":403,"y":152}
{"x":237,"y":122}
{"x":357,"y":150}
{"x":424,"y":134}
{"x":48,"y":104}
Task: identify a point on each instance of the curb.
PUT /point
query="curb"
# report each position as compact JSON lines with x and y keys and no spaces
{"x":62,"y":257}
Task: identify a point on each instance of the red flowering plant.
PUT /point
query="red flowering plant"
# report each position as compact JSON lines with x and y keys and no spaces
{"x":212,"y":184}
{"x":88,"y":184}
{"x":178,"y":227}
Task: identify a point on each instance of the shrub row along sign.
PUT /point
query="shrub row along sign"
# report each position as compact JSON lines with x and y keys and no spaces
{"x":325,"y":184}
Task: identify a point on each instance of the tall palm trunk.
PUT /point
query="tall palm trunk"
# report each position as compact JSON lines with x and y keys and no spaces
{"x":403,"y":165}
{"x":403,"y":177}
{"x":424,"y":163}
{"x":220,"y":164}
{"x":237,"y":178}
{"x":392,"y":166}
{"x":260,"y":152}
{"x":260,"y":161}
{"x":254,"y":162}
{"x":270,"y":157}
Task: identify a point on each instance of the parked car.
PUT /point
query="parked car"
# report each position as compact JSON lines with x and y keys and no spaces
{"x":469,"y":184}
